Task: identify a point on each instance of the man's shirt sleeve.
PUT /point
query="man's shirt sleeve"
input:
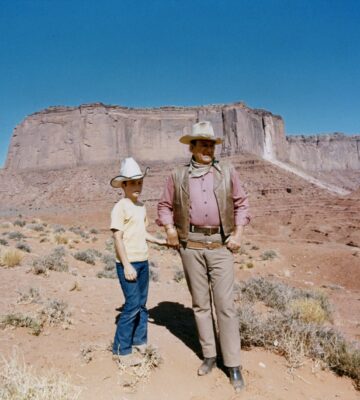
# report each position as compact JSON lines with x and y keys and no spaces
{"x":165,"y":205}
{"x":240,"y":198}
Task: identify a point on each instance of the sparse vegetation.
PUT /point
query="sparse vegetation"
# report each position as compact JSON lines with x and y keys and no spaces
{"x":37,"y":227}
{"x":19,"y":382}
{"x":94,"y":231}
{"x":24,"y":247}
{"x":61,"y":239}
{"x":109,"y":267}
{"x":86,"y":256}
{"x":268,"y":255}
{"x":10,"y":258}
{"x":55,"y":312}
{"x":141,"y":373}
{"x":53,"y":262}
{"x":4,"y":242}
{"x":16,"y":235}
{"x":78,"y":231}
{"x":58,"y":228}
{"x":179,"y":275}
{"x":289,"y":330}
{"x":154,"y":272}
{"x":32,"y":295}
{"x":19,"y":222}
{"x":21,"y":320}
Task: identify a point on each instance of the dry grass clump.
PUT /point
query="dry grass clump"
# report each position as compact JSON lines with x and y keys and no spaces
{"x":53,"y":262}
{"x":78,"y":231}
{"x":60,"y":238}
{"x":141,"y":373}
{"x":23,"y":321}
{"x":19,"y":382}
{"x":10,"y":258}
{"x":4,"y":242}
{"x":6,"y":225}
{"x":58,"y":228}
{"x":290,"y":331}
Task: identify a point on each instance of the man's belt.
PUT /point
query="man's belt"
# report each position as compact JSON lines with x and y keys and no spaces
{"x":203,"y":245}
{"x":206,"y":230}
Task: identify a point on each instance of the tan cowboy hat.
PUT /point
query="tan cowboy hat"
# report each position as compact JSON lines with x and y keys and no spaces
{"x":203,"y":130}
{"x":129,"y":170}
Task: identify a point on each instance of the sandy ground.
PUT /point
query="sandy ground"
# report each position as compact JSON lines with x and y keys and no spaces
{"x":93,"y":303}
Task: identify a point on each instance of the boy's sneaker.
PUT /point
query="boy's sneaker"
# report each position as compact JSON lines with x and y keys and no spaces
{"x":141,"y":348}
{"x":129,"y":360}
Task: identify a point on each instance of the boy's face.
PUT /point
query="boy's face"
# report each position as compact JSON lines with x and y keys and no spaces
{"x":133,"y":188}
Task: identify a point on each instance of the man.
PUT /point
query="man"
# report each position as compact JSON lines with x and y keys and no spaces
{"x":204,"y":209}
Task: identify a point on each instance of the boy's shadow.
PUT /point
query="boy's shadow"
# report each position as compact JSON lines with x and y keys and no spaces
{"x":179,"y":320}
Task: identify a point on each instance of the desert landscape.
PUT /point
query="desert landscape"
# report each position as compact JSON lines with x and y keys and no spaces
{"x":297,"y":274}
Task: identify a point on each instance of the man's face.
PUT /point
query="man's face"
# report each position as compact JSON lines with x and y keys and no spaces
{"x":203,"y":151}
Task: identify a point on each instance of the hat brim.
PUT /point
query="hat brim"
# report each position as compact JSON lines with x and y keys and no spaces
{"x":186,"y":139}
{"x":118,"y":180}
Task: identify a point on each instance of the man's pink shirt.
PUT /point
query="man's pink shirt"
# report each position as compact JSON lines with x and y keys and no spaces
{"x":203,"y":206}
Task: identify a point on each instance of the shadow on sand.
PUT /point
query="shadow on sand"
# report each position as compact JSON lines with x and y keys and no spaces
{"x":179,"y":320}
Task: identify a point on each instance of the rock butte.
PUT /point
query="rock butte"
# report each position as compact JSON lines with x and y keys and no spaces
{"x":61,"y":137}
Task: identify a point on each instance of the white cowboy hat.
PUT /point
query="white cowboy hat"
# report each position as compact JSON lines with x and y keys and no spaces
{"x":129,"y":170}
{"x":203,"y":130}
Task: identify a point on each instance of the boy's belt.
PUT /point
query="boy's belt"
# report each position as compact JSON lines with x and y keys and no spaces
{"x":206,"y":230}
{"x":203,"y":245}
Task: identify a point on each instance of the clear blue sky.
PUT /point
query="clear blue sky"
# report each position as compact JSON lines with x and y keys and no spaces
{"x":296,"y":58}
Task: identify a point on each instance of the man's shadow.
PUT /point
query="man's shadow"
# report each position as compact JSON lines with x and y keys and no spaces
{"x":179,"y":320}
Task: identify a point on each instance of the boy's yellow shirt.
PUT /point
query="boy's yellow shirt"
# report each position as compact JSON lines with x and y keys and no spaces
{"x":130,"y":218}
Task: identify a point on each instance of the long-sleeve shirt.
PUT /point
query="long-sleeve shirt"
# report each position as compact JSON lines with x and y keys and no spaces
{"x":203,"y":206}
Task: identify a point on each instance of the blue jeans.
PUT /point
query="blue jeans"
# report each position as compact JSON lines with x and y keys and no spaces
{"x":131,"y":327}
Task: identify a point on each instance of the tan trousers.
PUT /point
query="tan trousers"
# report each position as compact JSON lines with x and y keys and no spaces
{"x":213,"y":268}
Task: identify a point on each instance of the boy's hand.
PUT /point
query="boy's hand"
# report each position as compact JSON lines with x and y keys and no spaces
{"x":130,"y":273}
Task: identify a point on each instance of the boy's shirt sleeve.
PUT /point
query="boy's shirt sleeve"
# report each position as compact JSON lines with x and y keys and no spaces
{"x":117,"y":217}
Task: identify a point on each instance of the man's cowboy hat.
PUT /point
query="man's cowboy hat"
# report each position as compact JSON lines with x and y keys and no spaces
{"x":203,"y":130}
{"x":129,"y":170}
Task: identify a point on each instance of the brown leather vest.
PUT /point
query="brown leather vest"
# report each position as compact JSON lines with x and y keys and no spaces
{"x":223,"y":195}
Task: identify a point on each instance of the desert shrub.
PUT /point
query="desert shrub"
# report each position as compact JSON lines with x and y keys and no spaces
{"x":179,"y":275}
{"x":6,"y":225}
{"x":53,"y":262}
{"x":58,"y":228}
{"x":94,"y":231}
{"x":109,"y":245}
{"x":140,"y":373}
{"x":16,"y":235}
{"x":3,"y":242}
{"x":154,"y":273}
{"x":254,"y":247}
{"x":55,"y":312}
{"x":110,"y":274}
{"x":21,"y":320}
{"x":31,"y":295}
{"x":86,"y":256}
{"x":24,"y":247}
{"x":78,"y":231}
{"x":109,"y":267}
{"x":11,"y":258}
{"x":19,"y":222}
{"x":61,"y":239}
{"x":19,"y":382}
{"x":35,"y":227}
{"x":268,"y":255}
{"x":288,"y":330}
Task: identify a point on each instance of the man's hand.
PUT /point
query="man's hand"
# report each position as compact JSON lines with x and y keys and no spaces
{"x":130,"y":273}
{"x":172,"y":237}
{"x":234,"y":241}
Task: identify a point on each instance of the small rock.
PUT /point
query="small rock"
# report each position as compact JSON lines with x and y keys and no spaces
{"x":262,"y":365}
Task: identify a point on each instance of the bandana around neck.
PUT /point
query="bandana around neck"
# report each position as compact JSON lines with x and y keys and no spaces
{"x":197,"y":169}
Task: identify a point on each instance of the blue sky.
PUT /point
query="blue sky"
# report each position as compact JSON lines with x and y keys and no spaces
{"x":299,"y":59}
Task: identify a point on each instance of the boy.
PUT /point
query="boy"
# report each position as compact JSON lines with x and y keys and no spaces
{"x":128,"y":224}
